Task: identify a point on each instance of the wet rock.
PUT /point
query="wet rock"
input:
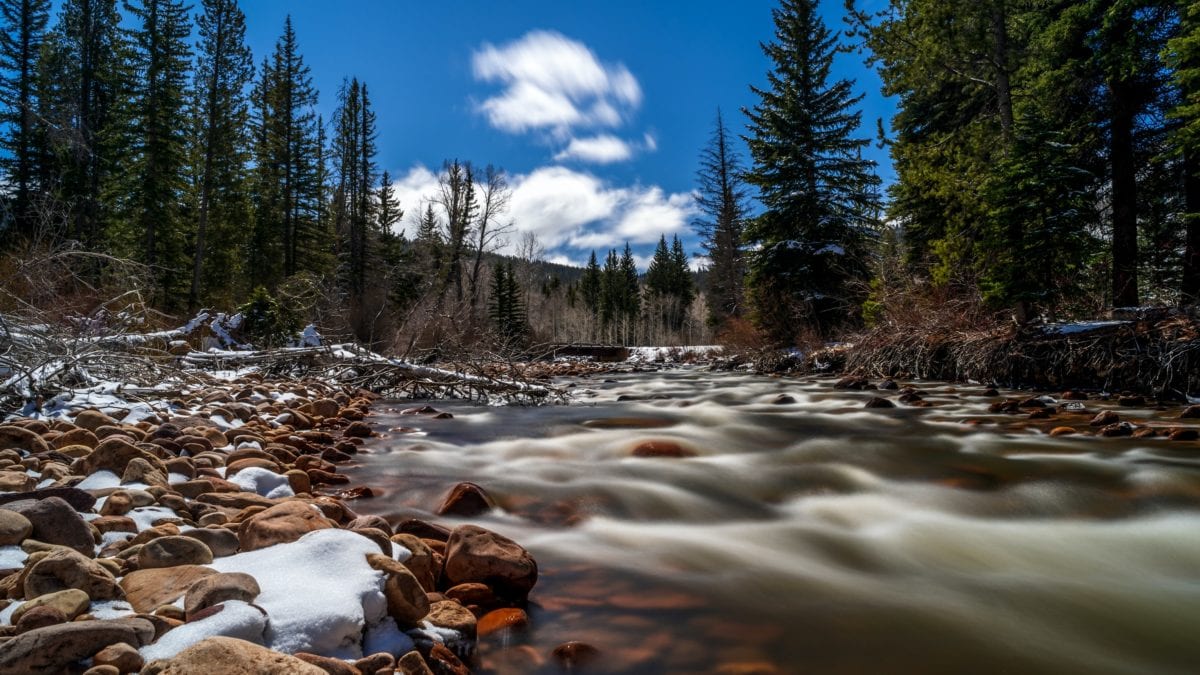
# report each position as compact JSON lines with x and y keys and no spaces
{"x":14,"y":527}
{"x":474,"y":554}
{"x":358,"y":430}
{"x":574,"y":655}
{"x":1184,"y":435}
{"x":1132,"y":401}
{"x":1074,"y":396}
{"x":413,"y":663}
{"x":991,"y":391}
{"x":1032,"y":402}
{"x":1106,"y":418}
{"x":661,"y":448}
{"x":1117,"y":429}
{"x":472,"y":594}
{"x":236,"y":500}
{"x":1062,"y":431}
{"x":1190,"y":412}
{"x":378,"y":536}
{"x":422,"y":529}
{"x":1144,"y":432}
{"x":324,"y":407}
{"x":406,"y":600}
{"x":852,"y":382}
{"x":39,"y":617}
{"x":784,"y":399}
{"x":442,"y":661}
{"x":1010,"y":406}
{"x":889,"y":385}
{"x":281,"y":524}
{"x":879,"y":402}
{"x":748,"y":668}
{"x":150,"y":589}
{"x":53,"y":649}
{"x":377,"y":522}
{"x":231,"y":656}
{"x":171,"y":551}
{"x":1040,"y":414}
{"x":504,"y":619}
{"x":125,"y":658}
{"x":466,"y":500}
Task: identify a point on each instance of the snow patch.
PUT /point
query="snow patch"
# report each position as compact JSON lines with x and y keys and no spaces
{"x":237,"y":620}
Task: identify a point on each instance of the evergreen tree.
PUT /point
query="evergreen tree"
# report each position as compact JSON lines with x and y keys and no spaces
{"x":152,"y":228}
{"x":223,"y":71}
{"x":354,"y":166}
{"x":1183,"y":56}
{"x":811,"y":237}
{"x":22,"y":138}
{"x":507,"y":312}
{"x":590,"y":285}
{"x":721,"y":199}
{"x":388,"y":211}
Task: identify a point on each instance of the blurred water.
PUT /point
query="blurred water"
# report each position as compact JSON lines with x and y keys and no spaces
{"x":819,"y":536}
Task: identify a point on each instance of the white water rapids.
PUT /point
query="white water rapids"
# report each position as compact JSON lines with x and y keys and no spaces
{"x":819,"y":536}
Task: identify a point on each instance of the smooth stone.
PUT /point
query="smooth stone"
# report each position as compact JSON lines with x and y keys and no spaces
{"x":217,"y":588}
{"x":122,"y":656}
{"x":466,"y":500}
{"x":14,"y":528}
{"x":331,"y":666}
{"x":71,"y":602}
{"x":231,"y":656}
{"x":503,"y":619}
{"x":420,"y":560}
{"x":171,"y":551}
{"x":476,"y":554}
{"x":661,"y":448}
{"x":450,"y":614}
{"x":39,"y":617}
{"x":63,"y":569}
{"x":148,"y":590}
{"x":219,"y":540}
{"x":51,"y":650}
{"x":56,"y":522}
{"x":280,"y":524}
{"x":413,"y":663}
{"x":406,"y":599}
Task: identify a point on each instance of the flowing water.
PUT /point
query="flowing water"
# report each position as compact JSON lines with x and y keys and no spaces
{"x":818,"y":536}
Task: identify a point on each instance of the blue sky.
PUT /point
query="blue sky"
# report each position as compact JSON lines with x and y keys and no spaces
{"x":597,"y":110}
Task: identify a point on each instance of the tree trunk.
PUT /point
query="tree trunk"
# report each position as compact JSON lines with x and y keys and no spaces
{"x":1190,"y":290}
{"x":1124,"y":195}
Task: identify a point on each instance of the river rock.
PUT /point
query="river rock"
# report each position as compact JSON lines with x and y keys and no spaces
{"x":1105,"y":418}
{"x":124,"y":657}
{"x":114,"y":454}
{"x":420,"y":560}
{"x":466,"y":500}
{"x":63,"y":569}
{"x":661,"y":448}
{"x":16,"y":481}
{"x":413,"y":663}
{"x":280,"y":524}
{"x":55,"y":522}
{"x":422,"y":529}
{"x":575,"y":655}
{"x":406,"y":599}
{"x":173,"y":550}
{"x":358,"y":430}
{"x":71,"y":602}
{"x":476,"y":554}
{"x":217,"y":588}
{"x":93,"y":420}
{"x":117,"y":503}
{"x":220,"y":541}
{"x":450,"y":614}
{"x":51,"y":650}
{"x":149,"y":589}
{"x":231,"y":656}
{"x":1116,"y":430}
{"x":14,"y":528}
{"x":78,"y":436}
{"x":39,"y":617}
{"x":1062,"y":431}
{"x":377,"y":522}
{"x":879,"y":402}
{"x":503,"y":619}
{"x":374,"y":663}
{"x":20,"y":438}
{"x":138,"y":470}
{"x":1190,"y":412}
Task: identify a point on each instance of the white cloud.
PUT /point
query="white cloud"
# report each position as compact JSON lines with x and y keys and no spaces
{"x":602,"y":149}
{"x":552,"y":83}
{"x":573,"y":211}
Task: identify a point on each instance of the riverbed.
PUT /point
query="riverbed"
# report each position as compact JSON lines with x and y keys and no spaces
{"x":810,"y":534}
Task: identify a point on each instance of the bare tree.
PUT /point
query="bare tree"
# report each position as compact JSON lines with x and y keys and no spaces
{"x":489,"y":232}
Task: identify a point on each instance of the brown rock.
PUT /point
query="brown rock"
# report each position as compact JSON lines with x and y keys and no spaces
{"x":138,"y":470}
{"x":220,"y":541}
{"x":374,"y":663}
{"x":661,"y":448}
{"x":53,"y":649}
{"x":450,"y":614}
{"x":93,"y":419}
{"x":71,"y":603}
{"x":1105,"y":418}
{"x":63,"y":569}
{"x":479,"y":555}
{"x":148,"y":590}
{"x":466,"y":500}
{"x":422,"y":529}
{"x":80,"y":436}
{"x":413,"y":663}
{"x":1117,"y":429}
{"x":504,"y":619}
{"x":442,"y":661}
{"x":420,"y":560}
{"x":14,"y":528}
{"x":217,"y":588}
{"x":122,"y":656}
{"x":117,"y":504}
{"x":1184,"y":435}
{"x":281,"y":524}
{"x":236,"y":500}
{"x":329,"y":665}
{"x":114,"y":454}
{"x":406,"y":601}
{"x":20,"y":438}
{"x":574,"y":655}
{"x":879,"y":402}
{"x":39,"y":617}
{"x":1062,"y":431}
{"x":171,"y":551}
{"x":16,"y":481}
{"x":102,"y":670}
{"x":230,"y":656}
{"x":55,"y":522}
{"x":1190,"y":412}
{"x":358,"y":430}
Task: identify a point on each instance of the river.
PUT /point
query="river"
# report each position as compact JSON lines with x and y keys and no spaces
{"x":812,"y":535}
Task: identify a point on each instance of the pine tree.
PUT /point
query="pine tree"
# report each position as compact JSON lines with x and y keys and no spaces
{"x":223,"y":71}
{"x":1183,"y":56}
{"x":23,"y":138}
{"x":721,"y":199}
{"x":507,"y":311}
{"x":354,"y":166}
{"x":590,"y":285}
{"x":812,"y":234}
{"x":388,"y":211}
{"x":152,"y":228}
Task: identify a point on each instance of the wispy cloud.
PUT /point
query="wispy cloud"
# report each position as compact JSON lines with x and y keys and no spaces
{"x":573,"y":211}
{"x":557,"y":87}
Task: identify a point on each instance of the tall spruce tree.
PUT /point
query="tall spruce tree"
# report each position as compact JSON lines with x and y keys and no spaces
{"x":22,"y":137}
{"x":354,"y":165}
{"x":812,"y":236}
{"x":1183,"y":57}
{"x":721,"y":199}
{"x":152,"y":228}
{"x":223,"y":71}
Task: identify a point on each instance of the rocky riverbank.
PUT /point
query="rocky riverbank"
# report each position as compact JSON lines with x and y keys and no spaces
{"x":214,"y":533}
